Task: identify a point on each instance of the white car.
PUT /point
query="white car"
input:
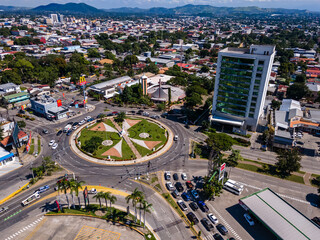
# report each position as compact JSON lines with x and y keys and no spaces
{"x":167,"y":176}
{"x":170,"y":186}
{"x":249,"y":219}
{"x":175,"y":138}
{"x":74,"y":127}
{"x":87,"y":118}
{"x":184,"y":176}
{"x":51,"y":142}
{"x":54,"y":146}
{"x":82,"y":122}
{"x":212,"y":218}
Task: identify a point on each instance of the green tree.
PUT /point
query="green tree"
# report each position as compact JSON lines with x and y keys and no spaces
{"x":76,"y":42}
{"x":106,"y":197}
{"x":92,"y":145}
{"x":25,"y":68}
{"x":112,"y":199}
{"x":109,"y":55}
{"x":77,"y":185}
{"x":297,"y":91}
{"x":129,"y":60}
{"x":146,"y":208}
{"x":161,"y":106}
{"x":219,"y":142}
{"x":21,"y":124}
{"x":301,"y":78}
{"x":288,"y":162}
{"x":134,"y":198}
{"x":151,"y":67}
{"x":234,"y":158}
{"x":205,"y":69}
{"x":120,"y":118}
{"x":98,"y":197}
{"x":63,"y":185}
{"x":193,"y":100}
{"x":10,"y":76}
{"x":93,"y":53}
{"x":275,"y":104}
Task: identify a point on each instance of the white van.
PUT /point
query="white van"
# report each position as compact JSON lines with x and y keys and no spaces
{"x":175,"y":137}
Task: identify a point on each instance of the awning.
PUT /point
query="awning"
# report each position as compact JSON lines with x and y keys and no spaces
{"x":6,"y":157}
{"x":226,"y":121}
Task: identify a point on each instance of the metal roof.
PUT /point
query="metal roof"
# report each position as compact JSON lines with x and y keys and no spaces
{"x":280,"y":217}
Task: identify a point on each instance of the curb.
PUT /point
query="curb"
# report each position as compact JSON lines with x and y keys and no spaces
{"x":186,"y":220}
{"x":72,"y":145}
{"x":13,"y":194}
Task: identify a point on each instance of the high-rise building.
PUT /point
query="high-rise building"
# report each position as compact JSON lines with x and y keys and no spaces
{"x":60,"y":17}
{"x":54,"y":18}
{"x":241,"y":85}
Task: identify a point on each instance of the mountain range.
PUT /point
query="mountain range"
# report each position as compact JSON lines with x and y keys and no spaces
{"x":201,"y":10}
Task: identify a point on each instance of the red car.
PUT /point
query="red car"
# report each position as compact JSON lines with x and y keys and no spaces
{"x":189,"y":184}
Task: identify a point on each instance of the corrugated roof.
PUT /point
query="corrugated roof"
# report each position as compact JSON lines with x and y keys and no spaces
{"x":280,"y":216}
{"x":20,"y":94}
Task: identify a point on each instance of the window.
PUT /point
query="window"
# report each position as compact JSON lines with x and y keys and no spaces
{"x":251,"y":115}
{"x":256,"y":87}
{"x":261,"y":62}
{"x":260,"y":69}
{"x":253,"y":99}
{"x":253,"y":104}
{"x":258,"y":75}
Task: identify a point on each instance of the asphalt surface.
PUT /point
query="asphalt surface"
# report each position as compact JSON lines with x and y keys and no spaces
{"x":120,"y":177}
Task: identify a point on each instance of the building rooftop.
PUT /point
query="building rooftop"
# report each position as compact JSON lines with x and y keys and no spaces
{"x":278,"y":215}
{"x":15,"y":95}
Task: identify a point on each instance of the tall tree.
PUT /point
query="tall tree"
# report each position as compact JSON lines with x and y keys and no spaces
{"x":77,"y":185}
{"x":63,"y":185}
{"x":98,"y":197}
{"x":233,"y":158}
{"x":146,"y":208}
{"x":288,"y":161}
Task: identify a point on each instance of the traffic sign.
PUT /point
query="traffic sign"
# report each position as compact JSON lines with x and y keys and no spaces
{"x":223,"y":166}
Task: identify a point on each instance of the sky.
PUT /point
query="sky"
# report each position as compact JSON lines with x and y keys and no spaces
{"x":313,"y":5}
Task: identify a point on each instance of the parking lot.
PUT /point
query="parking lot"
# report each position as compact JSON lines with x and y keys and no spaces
{"x":308,"y":142}
{"x":189,"y":200}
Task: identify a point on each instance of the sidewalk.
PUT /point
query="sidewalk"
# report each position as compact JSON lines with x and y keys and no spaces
{"x":11,"y":166}
{"x":86,"y":157}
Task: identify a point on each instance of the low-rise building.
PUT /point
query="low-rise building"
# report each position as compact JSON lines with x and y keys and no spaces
{"x":8,"y":88}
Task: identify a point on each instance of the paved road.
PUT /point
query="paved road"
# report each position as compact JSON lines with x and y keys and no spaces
{"x":176,"y":159}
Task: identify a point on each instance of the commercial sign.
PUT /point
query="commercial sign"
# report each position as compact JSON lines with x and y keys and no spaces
{"x":29,"y":143}
{"x":221,"y":171}
{"x":59,"y":103}
{"x":82,"y":81}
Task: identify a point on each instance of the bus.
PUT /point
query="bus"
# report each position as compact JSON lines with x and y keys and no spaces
{"x":233,"y":186}
{"x":30,"y":199}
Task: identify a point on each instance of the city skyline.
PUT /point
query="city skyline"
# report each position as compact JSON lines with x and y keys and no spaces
{"x":107,"y":4}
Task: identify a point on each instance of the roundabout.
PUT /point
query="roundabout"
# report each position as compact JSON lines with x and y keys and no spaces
{"x":112,"y":142}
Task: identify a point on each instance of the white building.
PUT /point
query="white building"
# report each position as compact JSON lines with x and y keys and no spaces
{"x":241,"y":85}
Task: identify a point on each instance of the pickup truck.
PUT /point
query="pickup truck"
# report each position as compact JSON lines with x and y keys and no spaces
{"x":67,"y":128}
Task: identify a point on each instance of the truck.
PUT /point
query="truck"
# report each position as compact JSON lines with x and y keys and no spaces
{"x":30,"y":199}
{"x":67,"y":128}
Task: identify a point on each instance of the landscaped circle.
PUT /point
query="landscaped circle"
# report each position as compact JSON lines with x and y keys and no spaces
{"x":133,"y":138}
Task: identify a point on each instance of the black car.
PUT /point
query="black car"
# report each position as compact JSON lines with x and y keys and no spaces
{"x":208,"y":225}
{"x":75,"y":124}
{"x":175,"y":177}
{"x":187,"y":126}
{"x":70,"y":123}
{"x":192,"y":218}
{"x":59,"y":133}
{"x":69,"y":132}
{"x":179,"y":187}
{"x":140,"y":112}
{"x":222,"y":229}
{"x":175,"y":193}
{"x":217,"y":236}
{"x":45,"y":131}
{"x":194,"y":206}
{"x":133,"y":112}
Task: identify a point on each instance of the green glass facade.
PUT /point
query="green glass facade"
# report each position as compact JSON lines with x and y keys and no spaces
{"x":234,"y":85}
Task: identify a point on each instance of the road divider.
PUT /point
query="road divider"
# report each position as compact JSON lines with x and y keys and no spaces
{"x":13,"y":194}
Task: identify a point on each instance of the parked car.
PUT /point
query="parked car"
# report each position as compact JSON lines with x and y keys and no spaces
{"x":217,"y":236}
{"x":203,"y":206}
{"x":59,"y":132}
{"x":146,"y":114}
{"x":189,"y":184}
{"x":186,"y":196}
{"x":167,"y":176}
{"x":195,"y":194}
{"x":175,"y":177}
{"x":74,"y":128}
{"x":222,"y":229}
{"x":54,"y":146}
{"x":179,"y":187}
{"x":82,"y":122}
{"x":170,"y":186}
{"x":175,"y":193}
{"x":155,"y":116}
{"x":140,"y":112}
{"x":193,"y":206}
{"x":192,"y":218}
{"x":212,"y":218}
{"x":87,"y":118}
{"x":184,"y":176}
{"x":52,"y":142}
{"x":208,"y":225}
{"x":45,"y":131}
{"x":75,"y":124}
{"x":69,"y":132}
{"x":249,"y":219}
{"x":182,"y":205}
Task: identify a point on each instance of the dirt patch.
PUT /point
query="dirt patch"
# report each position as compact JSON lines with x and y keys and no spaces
{"x":132,"y":122}
{"x":151,"y":144}
{"x":98,"y":127}
{"x":112,"y":152}
{"x":100,"y":213}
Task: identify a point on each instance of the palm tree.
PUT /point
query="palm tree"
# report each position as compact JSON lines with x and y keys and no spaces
{"x":140,"y":201}
{"x":134,"y":197}
{"x":146,"y":208}
{"x":99,"y":196}
{"x":76,"y":186}
{"x":106,"y":196}
{"x":112,"y":199}
{"x":64,"y":186}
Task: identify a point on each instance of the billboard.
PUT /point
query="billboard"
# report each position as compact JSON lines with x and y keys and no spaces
{"x":221,"y":171}
{"x":59,"y":103}
{"x":29,"y":143}
{"x":82,"y":81}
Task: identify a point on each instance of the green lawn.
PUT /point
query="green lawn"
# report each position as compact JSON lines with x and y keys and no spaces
{"x":31,"y":150}
{"x":155,"y":132}
{"x":39,"y":145}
